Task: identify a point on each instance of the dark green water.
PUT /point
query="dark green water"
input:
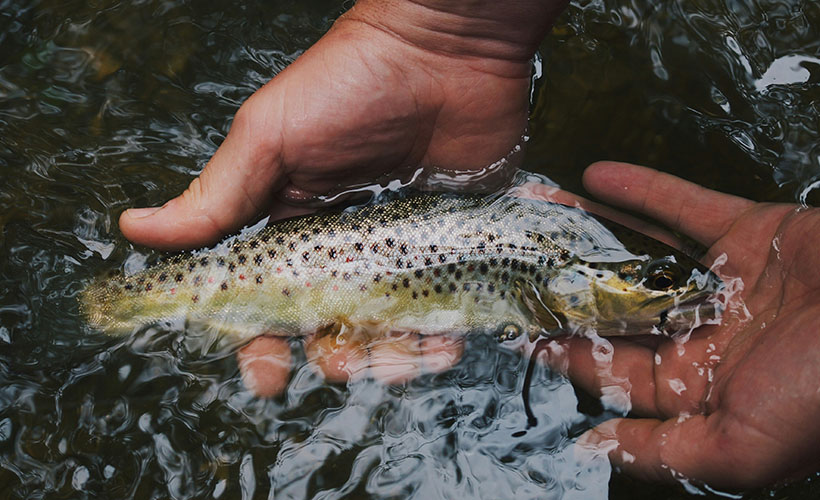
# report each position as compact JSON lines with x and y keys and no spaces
{"x":107,"y":105}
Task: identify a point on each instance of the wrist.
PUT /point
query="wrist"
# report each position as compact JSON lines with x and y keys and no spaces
{"x":508,"y":31}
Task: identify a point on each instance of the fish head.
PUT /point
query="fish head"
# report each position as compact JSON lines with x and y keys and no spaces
{"x":641,"y":295}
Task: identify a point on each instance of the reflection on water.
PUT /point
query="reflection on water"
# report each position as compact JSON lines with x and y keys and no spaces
{"x":118,"y":104}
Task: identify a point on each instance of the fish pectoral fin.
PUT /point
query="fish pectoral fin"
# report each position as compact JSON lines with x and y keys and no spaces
{"x":543,"y":316}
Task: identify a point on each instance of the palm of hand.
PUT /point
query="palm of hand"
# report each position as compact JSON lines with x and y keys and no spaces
{"x":735,"y":405}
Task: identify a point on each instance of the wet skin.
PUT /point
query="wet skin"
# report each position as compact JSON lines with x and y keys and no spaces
{"x":371,"y":97}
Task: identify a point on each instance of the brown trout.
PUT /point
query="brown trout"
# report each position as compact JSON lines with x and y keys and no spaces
{"x":430,"y":264}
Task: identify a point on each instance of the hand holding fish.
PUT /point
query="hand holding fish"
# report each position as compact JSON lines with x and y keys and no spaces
{"x":376,"y":94}
{"x":737,"y":404}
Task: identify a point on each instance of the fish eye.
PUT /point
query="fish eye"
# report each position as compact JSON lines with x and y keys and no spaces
{"x":662,"y":275}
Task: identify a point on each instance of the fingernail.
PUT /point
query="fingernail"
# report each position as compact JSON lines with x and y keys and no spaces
{"x":139,"y":213}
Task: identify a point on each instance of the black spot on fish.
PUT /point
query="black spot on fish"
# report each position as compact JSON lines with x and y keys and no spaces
{"x":195,"y":298}
{"x":231,"y":267}
{"x":286,"y":292}
{"x":505,"y":277}
{"x":220,"y":262}
{"x":292,"y":246}
{"x":466,"y":287}
{"x":191,"y":266}
{"x":374,"y":248}
{"x":242,"y":259}
{"x":316,"y":230}
{"x":433,"y":248}
{"x":331,"y":253}
{"x":491,"y":287}
{"x":403,"y":248}
{"x":531,"y":269}
{"x":253,"y":244}
{"x":271,"y":254}
{"x":362,"y":288}
{"x":389,"y":242}
{"x":237,"y":248}
{"x":289,"y":262}
{"x":358,"y":246}
{"x":437,"y":288}
{"x":483,"y":268}
{"x":377,"y":278}
{"x":129,"y":286}
{"x":148,"y":287}
{"x":514,"y":265}
{"x":458,"y":275}
{"x":203,"y":261}
{"x":428,"y":261}
{"x":415,"y":295}
{"x":355,"y":226}
{"x":452,"y":287}
{"x":179,"y":277}
{"x":280,"y":240}
{"x":394,"y":287}
{"x":265,"y":238}
{"x":162,"y":277}
{"x":223,"y":286}
{"x":257,"y":259}
{"x":305,"y":256}
{"x":550,"y":262}
{"x":419,"y":273}
{"x":505,"y":262}
{"x":305,"y":236}
{"x":334,"y":273}
{"x":259,"y":280}
{"x":425,"y":292}
{"x":442,"y":258}
{"x":406,"y":283}
{"x":346,"y":276}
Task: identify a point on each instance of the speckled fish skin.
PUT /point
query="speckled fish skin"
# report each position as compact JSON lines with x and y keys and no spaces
{"x":430,"y":264}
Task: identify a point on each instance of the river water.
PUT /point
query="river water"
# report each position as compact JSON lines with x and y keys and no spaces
{"x":106,"y":105}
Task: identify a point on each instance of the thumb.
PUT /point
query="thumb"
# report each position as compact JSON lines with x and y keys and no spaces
{"x":235,"y":186}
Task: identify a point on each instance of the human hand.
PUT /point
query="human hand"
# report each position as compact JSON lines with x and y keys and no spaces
{"x":736,"y":405}
{"x":394,"y":84}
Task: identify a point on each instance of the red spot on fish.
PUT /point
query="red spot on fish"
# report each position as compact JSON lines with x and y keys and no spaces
{"x":241,"y":276}
{"x":173,"y":291}
{"x":278,"y":269}
{"x":348,"y":259}
{"x":335,"y":288}
{"x":307,"y":284}
{"x":210,"y":280}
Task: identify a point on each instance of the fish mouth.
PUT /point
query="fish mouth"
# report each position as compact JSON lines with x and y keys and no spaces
{"x":688,"y":315}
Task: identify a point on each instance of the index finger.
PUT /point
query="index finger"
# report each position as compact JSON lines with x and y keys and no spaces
{"x":701,"y":213}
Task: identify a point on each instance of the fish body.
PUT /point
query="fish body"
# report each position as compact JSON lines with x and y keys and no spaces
{"x":430,"y":264}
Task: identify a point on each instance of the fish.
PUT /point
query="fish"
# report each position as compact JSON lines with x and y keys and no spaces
{"x":429,"y":264}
